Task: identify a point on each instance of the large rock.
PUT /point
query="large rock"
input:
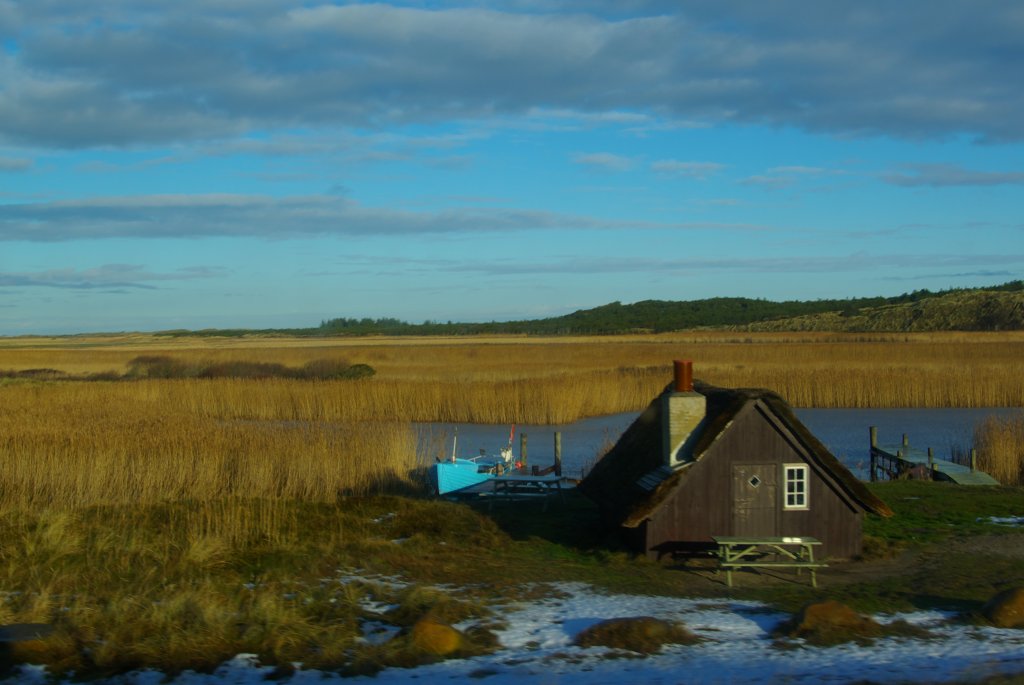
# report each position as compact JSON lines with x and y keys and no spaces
{"x":1006,"y":609}
{"x":644,"y":634}
{"x":829,"y":622}
{"x":433,"y":637}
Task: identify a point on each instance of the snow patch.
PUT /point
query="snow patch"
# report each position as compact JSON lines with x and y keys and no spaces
{"x":1005,"y":520}
{"x":737,"y":647}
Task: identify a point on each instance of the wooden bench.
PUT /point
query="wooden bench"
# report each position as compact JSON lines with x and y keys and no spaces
{"x":767,"y":552}
{"x":522,"y":486}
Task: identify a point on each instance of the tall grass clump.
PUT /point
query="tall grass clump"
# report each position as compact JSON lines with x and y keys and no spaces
{"x":163,"y":366}
{"x":1000,"y":445}
{"x":189,"y":585}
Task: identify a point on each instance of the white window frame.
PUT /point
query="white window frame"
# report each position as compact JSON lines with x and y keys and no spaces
{"x":796,"y":487}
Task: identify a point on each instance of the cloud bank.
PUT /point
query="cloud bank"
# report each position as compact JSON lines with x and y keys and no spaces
{"x":195,"y":216}
{"x":137,"y":72}
{"x":945,"y":175}
{"x":106,"y":277}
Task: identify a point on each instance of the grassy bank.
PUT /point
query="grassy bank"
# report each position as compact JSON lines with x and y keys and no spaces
{"x":190,"y":584}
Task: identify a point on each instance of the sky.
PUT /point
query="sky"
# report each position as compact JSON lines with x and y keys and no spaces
{"x":197,"y":164}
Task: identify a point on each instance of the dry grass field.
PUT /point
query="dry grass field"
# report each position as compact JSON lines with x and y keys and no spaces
{"x":808,"y":369}
{"x":80,"y":442}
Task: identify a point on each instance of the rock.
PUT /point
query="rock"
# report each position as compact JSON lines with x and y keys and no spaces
{"x":829,"y":622}
{"x":1006,"y":609}
{"x":21,"y":632}
{"x":23,"y":643}
{"x":430,"y":636}
{"x":643,"y":634}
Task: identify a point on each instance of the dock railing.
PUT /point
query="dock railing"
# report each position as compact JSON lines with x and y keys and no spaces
{"x":902,"y":461}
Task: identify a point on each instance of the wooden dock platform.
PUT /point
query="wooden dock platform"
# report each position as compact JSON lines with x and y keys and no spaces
{"x":904,"y":461}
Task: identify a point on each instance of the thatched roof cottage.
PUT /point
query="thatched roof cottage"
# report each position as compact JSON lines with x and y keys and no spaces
{"x":703,"y":461}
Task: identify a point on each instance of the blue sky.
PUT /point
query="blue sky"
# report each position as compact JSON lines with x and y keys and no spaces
{"x":272,"y":163}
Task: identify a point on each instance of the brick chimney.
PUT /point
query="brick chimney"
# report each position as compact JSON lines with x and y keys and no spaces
{"x":682,"y":412}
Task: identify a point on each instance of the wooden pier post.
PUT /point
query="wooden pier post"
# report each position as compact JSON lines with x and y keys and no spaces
{"x":931,"y":463}
{"x":974,"y":460}
{"x":522,"y":449}
{"x":873,"y":433}
{"x":558,"y":453}
{"x":906,"y":440}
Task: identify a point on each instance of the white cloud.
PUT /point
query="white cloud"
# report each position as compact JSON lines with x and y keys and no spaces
{"x":605,"y":160}
{"x":698,"y":170}
{"x":802,"y":170}
{"x":780,"y":177}
{"x":15,"y":164}
{"x":814,"y":264}
{"x":188,"y":216}
{"x":944,"y":175}
{"x":106,"y":277}
{"x":131,"y":72}
{"x":768,"y":181}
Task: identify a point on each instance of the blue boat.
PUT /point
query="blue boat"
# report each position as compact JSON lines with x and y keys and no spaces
{"x":454,"y":475}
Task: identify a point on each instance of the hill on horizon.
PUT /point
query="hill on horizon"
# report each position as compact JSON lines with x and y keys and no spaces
{"x":996,"y":308}
{"x":993,"y":308}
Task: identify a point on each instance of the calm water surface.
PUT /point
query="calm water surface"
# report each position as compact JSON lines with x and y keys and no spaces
{"x":843,"y":431}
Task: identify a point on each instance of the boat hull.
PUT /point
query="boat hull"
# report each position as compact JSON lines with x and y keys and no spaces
{"x":453,"y":476}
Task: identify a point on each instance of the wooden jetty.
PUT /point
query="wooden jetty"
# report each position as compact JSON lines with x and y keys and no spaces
{"x":904,"y":461}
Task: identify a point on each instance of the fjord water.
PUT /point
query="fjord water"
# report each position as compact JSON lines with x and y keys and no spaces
{"x":843,"y":431}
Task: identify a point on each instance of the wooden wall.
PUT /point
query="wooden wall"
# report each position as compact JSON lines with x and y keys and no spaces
{"x":703,"y":505}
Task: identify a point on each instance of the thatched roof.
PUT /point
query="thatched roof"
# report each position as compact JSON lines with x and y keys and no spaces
{"x":632,"y":480}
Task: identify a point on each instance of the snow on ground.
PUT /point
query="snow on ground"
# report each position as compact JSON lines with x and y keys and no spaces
{"x":737,"y":648}
{"x":1006,"y":520}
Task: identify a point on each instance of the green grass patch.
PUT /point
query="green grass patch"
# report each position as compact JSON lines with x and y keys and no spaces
{"x":930,"y":512}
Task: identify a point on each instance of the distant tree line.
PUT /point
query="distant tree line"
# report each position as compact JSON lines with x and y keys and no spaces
{"x":654,"y":316}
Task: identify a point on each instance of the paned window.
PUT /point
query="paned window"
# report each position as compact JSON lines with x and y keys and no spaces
{"x":796,"y":486}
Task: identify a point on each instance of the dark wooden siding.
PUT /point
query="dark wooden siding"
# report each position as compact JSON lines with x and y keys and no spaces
{"x":702,"y":505}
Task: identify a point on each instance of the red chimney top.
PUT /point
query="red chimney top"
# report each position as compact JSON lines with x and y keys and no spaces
{"x":684,"y":375}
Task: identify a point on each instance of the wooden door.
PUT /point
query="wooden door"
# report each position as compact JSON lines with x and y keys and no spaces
{"x":755,"y":500}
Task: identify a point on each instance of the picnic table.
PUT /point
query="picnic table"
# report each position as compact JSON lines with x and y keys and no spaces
{"x":524,"y":486}
{"x":757,"y":552}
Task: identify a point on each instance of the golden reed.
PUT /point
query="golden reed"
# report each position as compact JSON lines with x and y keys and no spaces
{"x":74,"y":444}
{"x":86,"y":442}
{"x":808,"y":369}
{"x":1000,"y":445}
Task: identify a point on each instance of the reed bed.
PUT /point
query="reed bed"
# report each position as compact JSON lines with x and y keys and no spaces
{"x":1000,"y":445}
{"x":78,"y":443}
{"x":455,"y":376}
{"x":73,"y":445}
